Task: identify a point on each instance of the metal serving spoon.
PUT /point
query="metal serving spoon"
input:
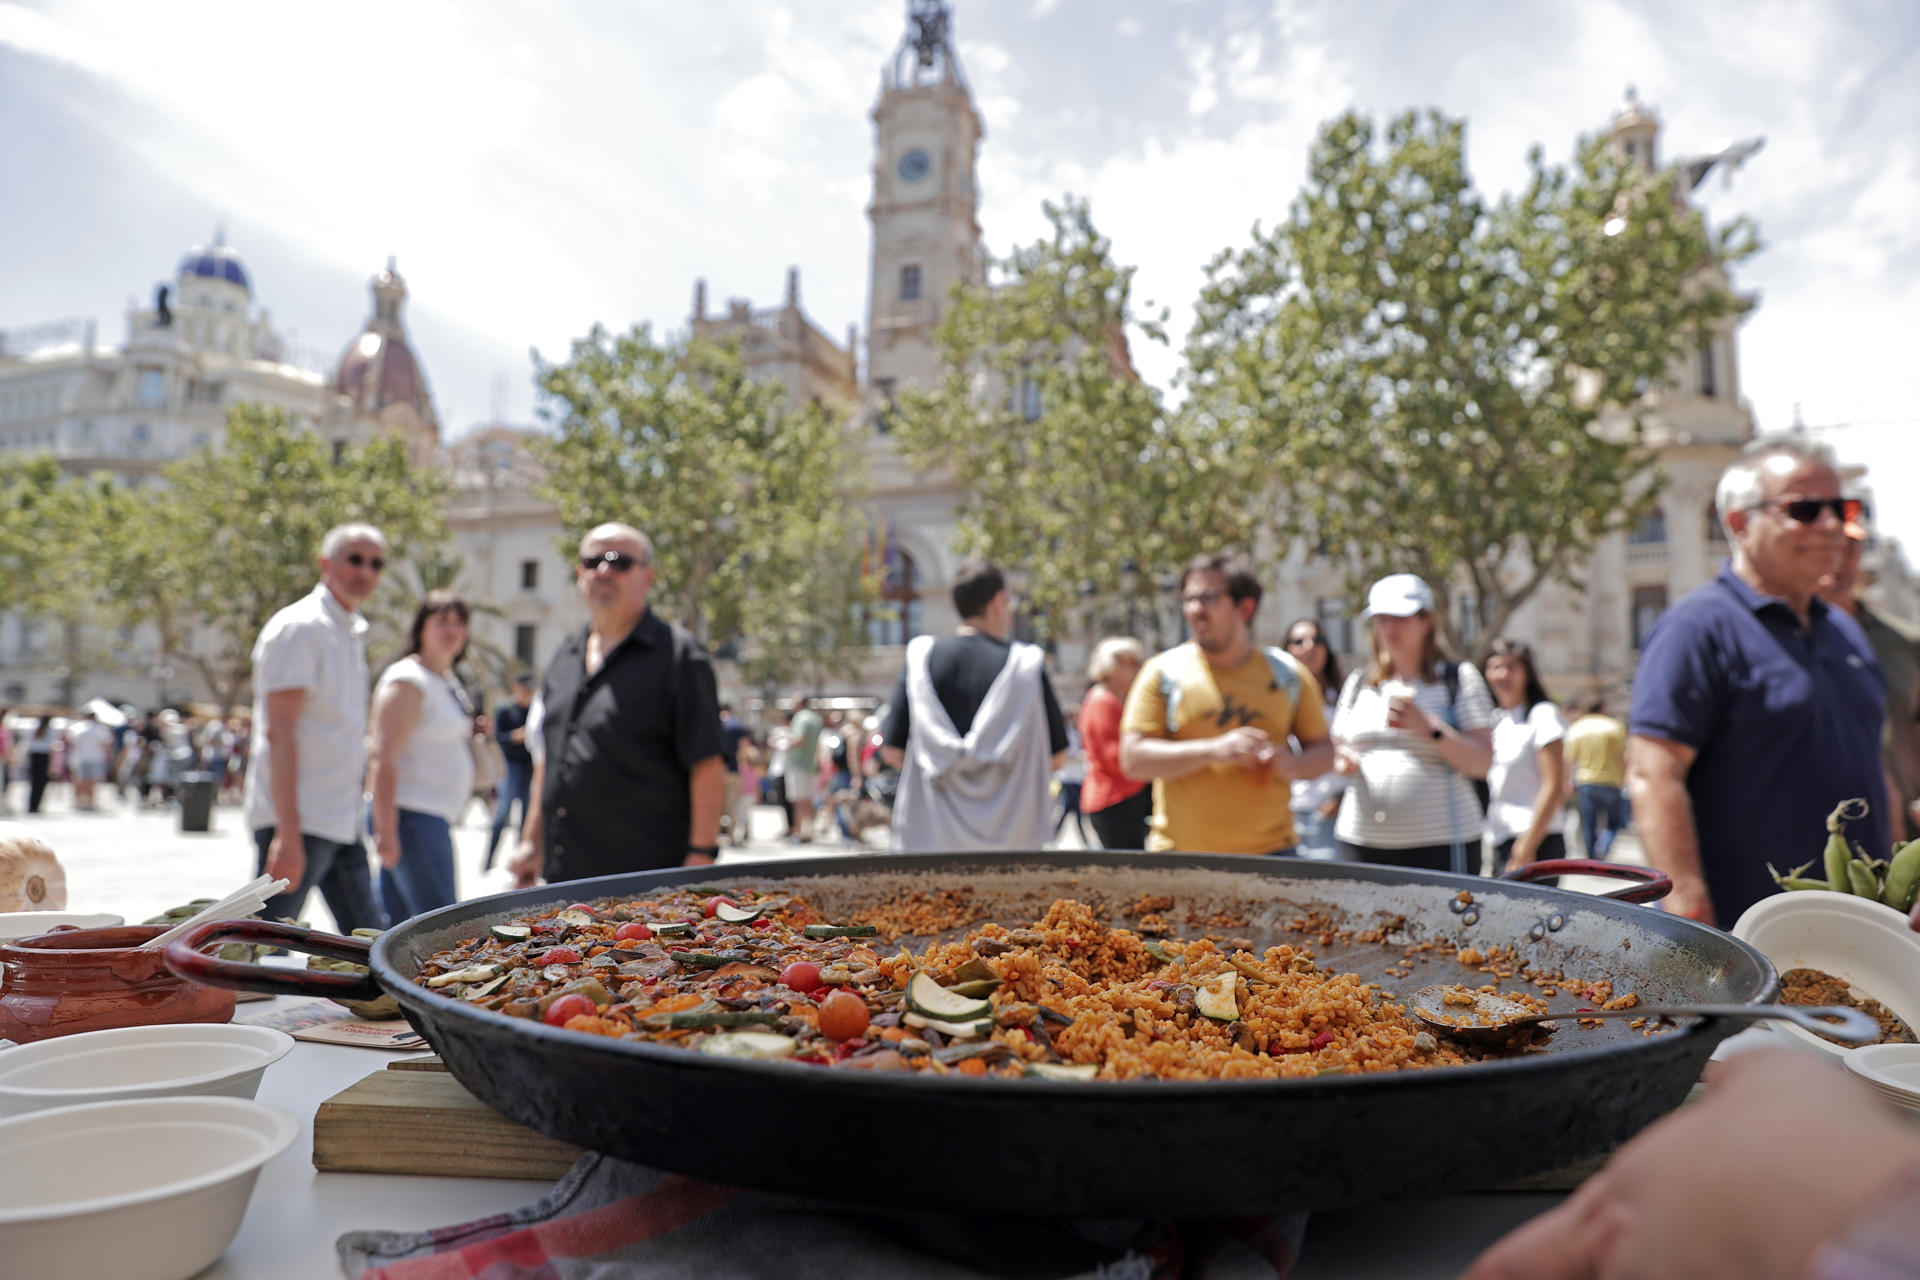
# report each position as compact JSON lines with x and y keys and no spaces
{"x":1492,"y":1017}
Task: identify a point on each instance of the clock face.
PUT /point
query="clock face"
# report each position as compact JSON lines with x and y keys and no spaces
{"x":914,"y":165}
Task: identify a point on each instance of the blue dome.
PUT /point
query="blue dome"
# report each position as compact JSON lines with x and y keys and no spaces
{"x":216,"y":262}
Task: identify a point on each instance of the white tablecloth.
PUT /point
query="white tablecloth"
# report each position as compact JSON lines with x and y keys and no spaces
{"x":297,"y":1213}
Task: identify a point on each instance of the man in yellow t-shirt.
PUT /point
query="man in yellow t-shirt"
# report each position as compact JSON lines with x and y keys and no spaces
{"x":1209,"y":721}
{"x":1596,"y":747}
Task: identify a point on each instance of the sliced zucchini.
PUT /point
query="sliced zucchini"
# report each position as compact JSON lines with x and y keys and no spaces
{"x":697,"y":1019}
{"x":748,"y":1044}
{"x":1063,"y":1070}
{"x":736,"y":915}
{"x":485,"y":989}
{"x":1216,"y":999}
{"x":511,"y":932}
{"x":974,"y":970}
{"x":711,"y":959}
{"x":840,"y":930}
{"x":959,"y":1030}
{"x":574,"y":916}
{"x":1159,"y":952}
{"x":978,"y":988}
{"x":671,"y":929}
{"x":931,"y":1000}
{"x":472,"y":973}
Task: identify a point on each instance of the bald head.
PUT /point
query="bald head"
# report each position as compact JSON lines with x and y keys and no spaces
{"x":615,"y":575}
{"x":614,"y":536}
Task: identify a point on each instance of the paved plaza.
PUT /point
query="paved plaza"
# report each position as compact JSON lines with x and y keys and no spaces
{"x":136,"y":862}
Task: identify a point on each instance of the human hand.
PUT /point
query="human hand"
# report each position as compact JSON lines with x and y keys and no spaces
{"x":1245,"y":746}
{"x":1403,"y":714}
{"x":387,"y":846}
{"x":525,"y":865}
{"x":1331,"y":809}
{"x":1346,"y":762}
{"x":1526,"y":850}
{"x":287,"y":859}
{"x":1690,"y":898}
{"x":1781,"y":1155}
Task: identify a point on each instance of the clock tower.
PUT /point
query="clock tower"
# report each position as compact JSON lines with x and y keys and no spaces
{"x":926,"y":234}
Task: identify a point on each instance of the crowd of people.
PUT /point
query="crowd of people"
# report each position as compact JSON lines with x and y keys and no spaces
{"x":141,"y":757}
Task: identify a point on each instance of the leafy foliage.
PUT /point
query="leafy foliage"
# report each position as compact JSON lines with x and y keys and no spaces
{"x":1073,"y":467}
{"x":1424,"y":377}
{"x":754,"y":506}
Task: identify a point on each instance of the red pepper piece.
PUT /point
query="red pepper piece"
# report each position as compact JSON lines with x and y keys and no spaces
{"x":1320,"y":1041}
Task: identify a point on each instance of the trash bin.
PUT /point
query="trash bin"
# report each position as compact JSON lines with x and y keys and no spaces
{"x":196,"y":801}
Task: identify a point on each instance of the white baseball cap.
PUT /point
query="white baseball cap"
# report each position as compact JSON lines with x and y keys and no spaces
{"x":1398,"y":595}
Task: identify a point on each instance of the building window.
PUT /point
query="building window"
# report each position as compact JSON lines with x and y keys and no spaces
{"x":529,"y":575}
{"x":910,"y":283}
{"x":339,"y":452}
{"x":1651,"y":530}
{"x":523,"y":644}
{"x":1707,"y":383}
{"x":1716,"y":532}
{"x":895,"y":618}
{"x":1648,"y":604}
{"x":1335,"y":623}
{"x":1467,"y":614}
{"x":152,"y":393}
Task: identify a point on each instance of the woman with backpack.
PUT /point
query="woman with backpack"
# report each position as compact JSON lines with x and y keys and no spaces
{"x":1409,"y":732}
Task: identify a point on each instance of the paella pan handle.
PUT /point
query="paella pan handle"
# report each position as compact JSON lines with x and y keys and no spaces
{"x":184,"y":957}
{"x":1651,"y":887}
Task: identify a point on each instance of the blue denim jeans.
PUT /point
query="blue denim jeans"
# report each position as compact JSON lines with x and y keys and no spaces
{"x":517,"y":786}
{"x":1603,"y":815}
{"x":424,"y":879}
{"x":340,"y":871}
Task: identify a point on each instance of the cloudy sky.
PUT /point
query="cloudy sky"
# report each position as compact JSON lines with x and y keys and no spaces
{"x":537,"y":169}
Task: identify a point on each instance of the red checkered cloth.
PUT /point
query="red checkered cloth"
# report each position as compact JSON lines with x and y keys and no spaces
{"x":609,"y":1220}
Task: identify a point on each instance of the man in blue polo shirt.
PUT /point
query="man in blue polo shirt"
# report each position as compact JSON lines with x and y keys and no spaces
{"x":1756,"y":706}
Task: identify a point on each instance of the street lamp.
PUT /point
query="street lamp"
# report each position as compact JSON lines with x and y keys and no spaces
{"x":1130,"y":585}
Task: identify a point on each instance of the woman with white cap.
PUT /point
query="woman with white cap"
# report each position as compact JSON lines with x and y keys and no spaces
{"x":1408,"y":731}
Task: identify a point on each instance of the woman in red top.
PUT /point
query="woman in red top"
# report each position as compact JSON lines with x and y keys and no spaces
{"x":1116,"y":805}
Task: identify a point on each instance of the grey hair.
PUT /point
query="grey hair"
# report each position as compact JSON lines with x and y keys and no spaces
{"x":1109,"y":652}
{"x":341,"y":534}
{"x":1742,"y":487}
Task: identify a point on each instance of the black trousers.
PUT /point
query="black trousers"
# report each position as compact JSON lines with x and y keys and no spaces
{"x":39,"y":770}
{"x":1426,"y":857}
{"x":1124,"y":825}
{"x":1552,"y":845}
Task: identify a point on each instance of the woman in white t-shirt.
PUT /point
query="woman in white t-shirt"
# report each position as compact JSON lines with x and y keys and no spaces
{"x":1408,"y":732}
{"x":1527,"y":782}
{"x":422,"y":765}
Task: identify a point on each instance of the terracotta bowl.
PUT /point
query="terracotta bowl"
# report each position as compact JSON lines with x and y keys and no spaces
{"x":92,"y":979}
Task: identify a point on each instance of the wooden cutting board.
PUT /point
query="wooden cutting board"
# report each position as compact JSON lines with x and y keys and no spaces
{"x":413,"y":1117}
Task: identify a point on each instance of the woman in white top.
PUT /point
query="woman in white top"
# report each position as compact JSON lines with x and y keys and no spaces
{"x":1316,"y":801}
{"x":1527,"y":783}
{"x":422,"y":765}
{"x":1408,"y":732}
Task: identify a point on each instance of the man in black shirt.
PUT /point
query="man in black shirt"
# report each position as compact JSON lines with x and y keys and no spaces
{"x":972,"y":794}
{"x":510,"y":731}
{"x":630,"y":776}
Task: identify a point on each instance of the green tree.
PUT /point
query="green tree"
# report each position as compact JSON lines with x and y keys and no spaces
{"x":233,"y":535}
{"x":36,"y":522}
{"x":1424,"y":377}
{"x":751,"y":503}
{"x":1077,"y":474}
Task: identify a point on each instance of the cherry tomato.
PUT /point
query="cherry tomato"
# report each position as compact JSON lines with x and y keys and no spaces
{"x":635,"y":932}
{"x":843,"y":1016}
{"x":582,"y":906}
{"x":802,"y":975}
{"x":570,"y":1005}
{"x":560,"y":955}
{"x":713,"y":904}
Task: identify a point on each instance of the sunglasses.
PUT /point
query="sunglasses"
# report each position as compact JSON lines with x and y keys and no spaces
{"x":359,"y":561}
{"x":1205,"y":599}
{"x":1807,"y":510}
{"x":1294,"y":641}
{"x":618,"y":561}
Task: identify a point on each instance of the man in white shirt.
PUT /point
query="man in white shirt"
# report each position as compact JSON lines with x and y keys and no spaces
{"x":306,"y":773}
{"x":89,"y":745}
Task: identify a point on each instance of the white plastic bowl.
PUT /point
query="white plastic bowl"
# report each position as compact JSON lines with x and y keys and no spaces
{"x":139,"y":1062}
{"x":31,"y":924}
{"x":1892,"y":1069}
{"x":146,"y":1190}
{"x":1868,"y":945}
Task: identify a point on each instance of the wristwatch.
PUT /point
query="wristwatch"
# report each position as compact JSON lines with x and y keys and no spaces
{"x":704,"y":850}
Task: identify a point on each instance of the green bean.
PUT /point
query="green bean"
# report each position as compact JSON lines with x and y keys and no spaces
{"x":1903,"y":877}
{"x":1838,"y":859}
{"x":1801,"y":882}
{"x":1865,"y":883}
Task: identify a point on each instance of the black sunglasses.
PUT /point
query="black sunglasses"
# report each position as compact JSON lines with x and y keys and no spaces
{"x":359,"y":561}
{"x":618,"y":561}
{"x":1293,"y":640}
{"x":1807,"y":510}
